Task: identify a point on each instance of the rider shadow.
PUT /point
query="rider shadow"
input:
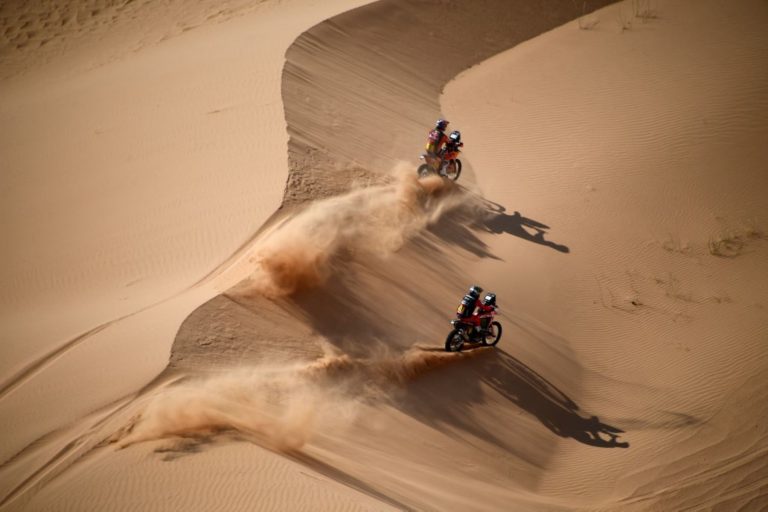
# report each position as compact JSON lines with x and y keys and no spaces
{"x":497,"y":221}
{"x":553,"y":408}
{"x":519,"y":226}
{"x":457,"y":227}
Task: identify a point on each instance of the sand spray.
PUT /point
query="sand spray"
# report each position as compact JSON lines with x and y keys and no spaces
{"x":373,"y":221}
{"x":281,"y":406}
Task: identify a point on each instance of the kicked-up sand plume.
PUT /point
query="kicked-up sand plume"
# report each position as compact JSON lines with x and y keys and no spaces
{"x":279,"y":407}
{"x":275,"y":406}
{"x":374,"y":221}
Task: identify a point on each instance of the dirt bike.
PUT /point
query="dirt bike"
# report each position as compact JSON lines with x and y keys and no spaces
{"x":449,"y":167}
{"x":470,"y":330}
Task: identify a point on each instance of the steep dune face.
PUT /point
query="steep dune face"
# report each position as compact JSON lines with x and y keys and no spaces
{"x":357,"y":97}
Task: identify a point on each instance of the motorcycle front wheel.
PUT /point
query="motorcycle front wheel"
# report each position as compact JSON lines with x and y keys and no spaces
{"x":492,"y":337}
{"x":453,"y":169}
{"x":454,"y":342}
{"x":423,"y":170}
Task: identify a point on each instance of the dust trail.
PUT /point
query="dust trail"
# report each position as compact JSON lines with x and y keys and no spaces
{"x":386,"y":370}
{"x":371,"y":221}
{"x":281,"y":406}
{"x":273,"y":405}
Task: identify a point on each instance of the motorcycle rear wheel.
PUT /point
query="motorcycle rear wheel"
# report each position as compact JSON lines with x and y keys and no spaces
{"x":423,"y":170}
{"x":454,"y":342}
{"x":494,"y":334}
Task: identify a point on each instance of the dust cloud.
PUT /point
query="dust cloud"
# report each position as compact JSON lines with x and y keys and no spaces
{"x":281,"y":407}
{"x":275,"y":406}
{"x":372,"y":221}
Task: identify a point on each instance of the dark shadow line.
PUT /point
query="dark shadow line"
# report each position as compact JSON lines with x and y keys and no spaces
{"x":519,"y":226}
{"x":550,"y":405}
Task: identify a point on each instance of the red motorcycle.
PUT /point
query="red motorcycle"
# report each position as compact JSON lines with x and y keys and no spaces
{"x":448,"y":165}
{"x":471,"y":330}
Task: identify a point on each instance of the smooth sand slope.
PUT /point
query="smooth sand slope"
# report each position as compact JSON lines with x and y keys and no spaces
{"x":613,"y":198}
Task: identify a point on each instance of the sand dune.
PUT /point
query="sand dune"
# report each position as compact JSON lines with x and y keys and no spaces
{"x":613,"y":198}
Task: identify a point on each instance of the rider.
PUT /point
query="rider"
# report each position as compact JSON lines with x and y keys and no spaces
{"x":472,"y":306}
{"x":437,"y":138}
{"x":470,"y":302}
{"x":485,"y":307}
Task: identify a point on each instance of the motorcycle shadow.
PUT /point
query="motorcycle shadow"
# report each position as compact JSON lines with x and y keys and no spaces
{"x":449,"y":397}
{"x":551,"y":406}
{"x":462,"y":226}
{"x":521,"y":227}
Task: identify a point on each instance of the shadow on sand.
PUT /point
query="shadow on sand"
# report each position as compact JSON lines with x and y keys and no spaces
{"x":523,"y":386}
{"x":498,"y":222}
{"x":459,"y":227}
{"x":450,"y":398}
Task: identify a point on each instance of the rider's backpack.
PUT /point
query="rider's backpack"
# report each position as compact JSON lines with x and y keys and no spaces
{"x":467,"y":307}
{"x":433,"y":140}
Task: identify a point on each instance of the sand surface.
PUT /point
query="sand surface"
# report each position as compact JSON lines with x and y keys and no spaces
{"x":224,"y":288}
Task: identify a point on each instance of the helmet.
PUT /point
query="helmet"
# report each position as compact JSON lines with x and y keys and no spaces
{"x":489,"y":299}
{"x":441,"y":124}
{"x":475,"y":291}
{"x":455,"y":136}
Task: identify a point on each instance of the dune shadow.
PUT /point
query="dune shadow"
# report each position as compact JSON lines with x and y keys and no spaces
{"x":445,"y":398}
{"x":342,"y":315}
{"x":456,"y":226}
{"x":375,"y":305}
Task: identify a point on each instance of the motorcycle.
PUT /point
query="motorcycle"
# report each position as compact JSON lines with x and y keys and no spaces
{"x":447,"y":166}
{"x":471,"y":330}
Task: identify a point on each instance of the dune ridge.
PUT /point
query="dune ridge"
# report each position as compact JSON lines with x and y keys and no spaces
{"x":356,"y":99}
